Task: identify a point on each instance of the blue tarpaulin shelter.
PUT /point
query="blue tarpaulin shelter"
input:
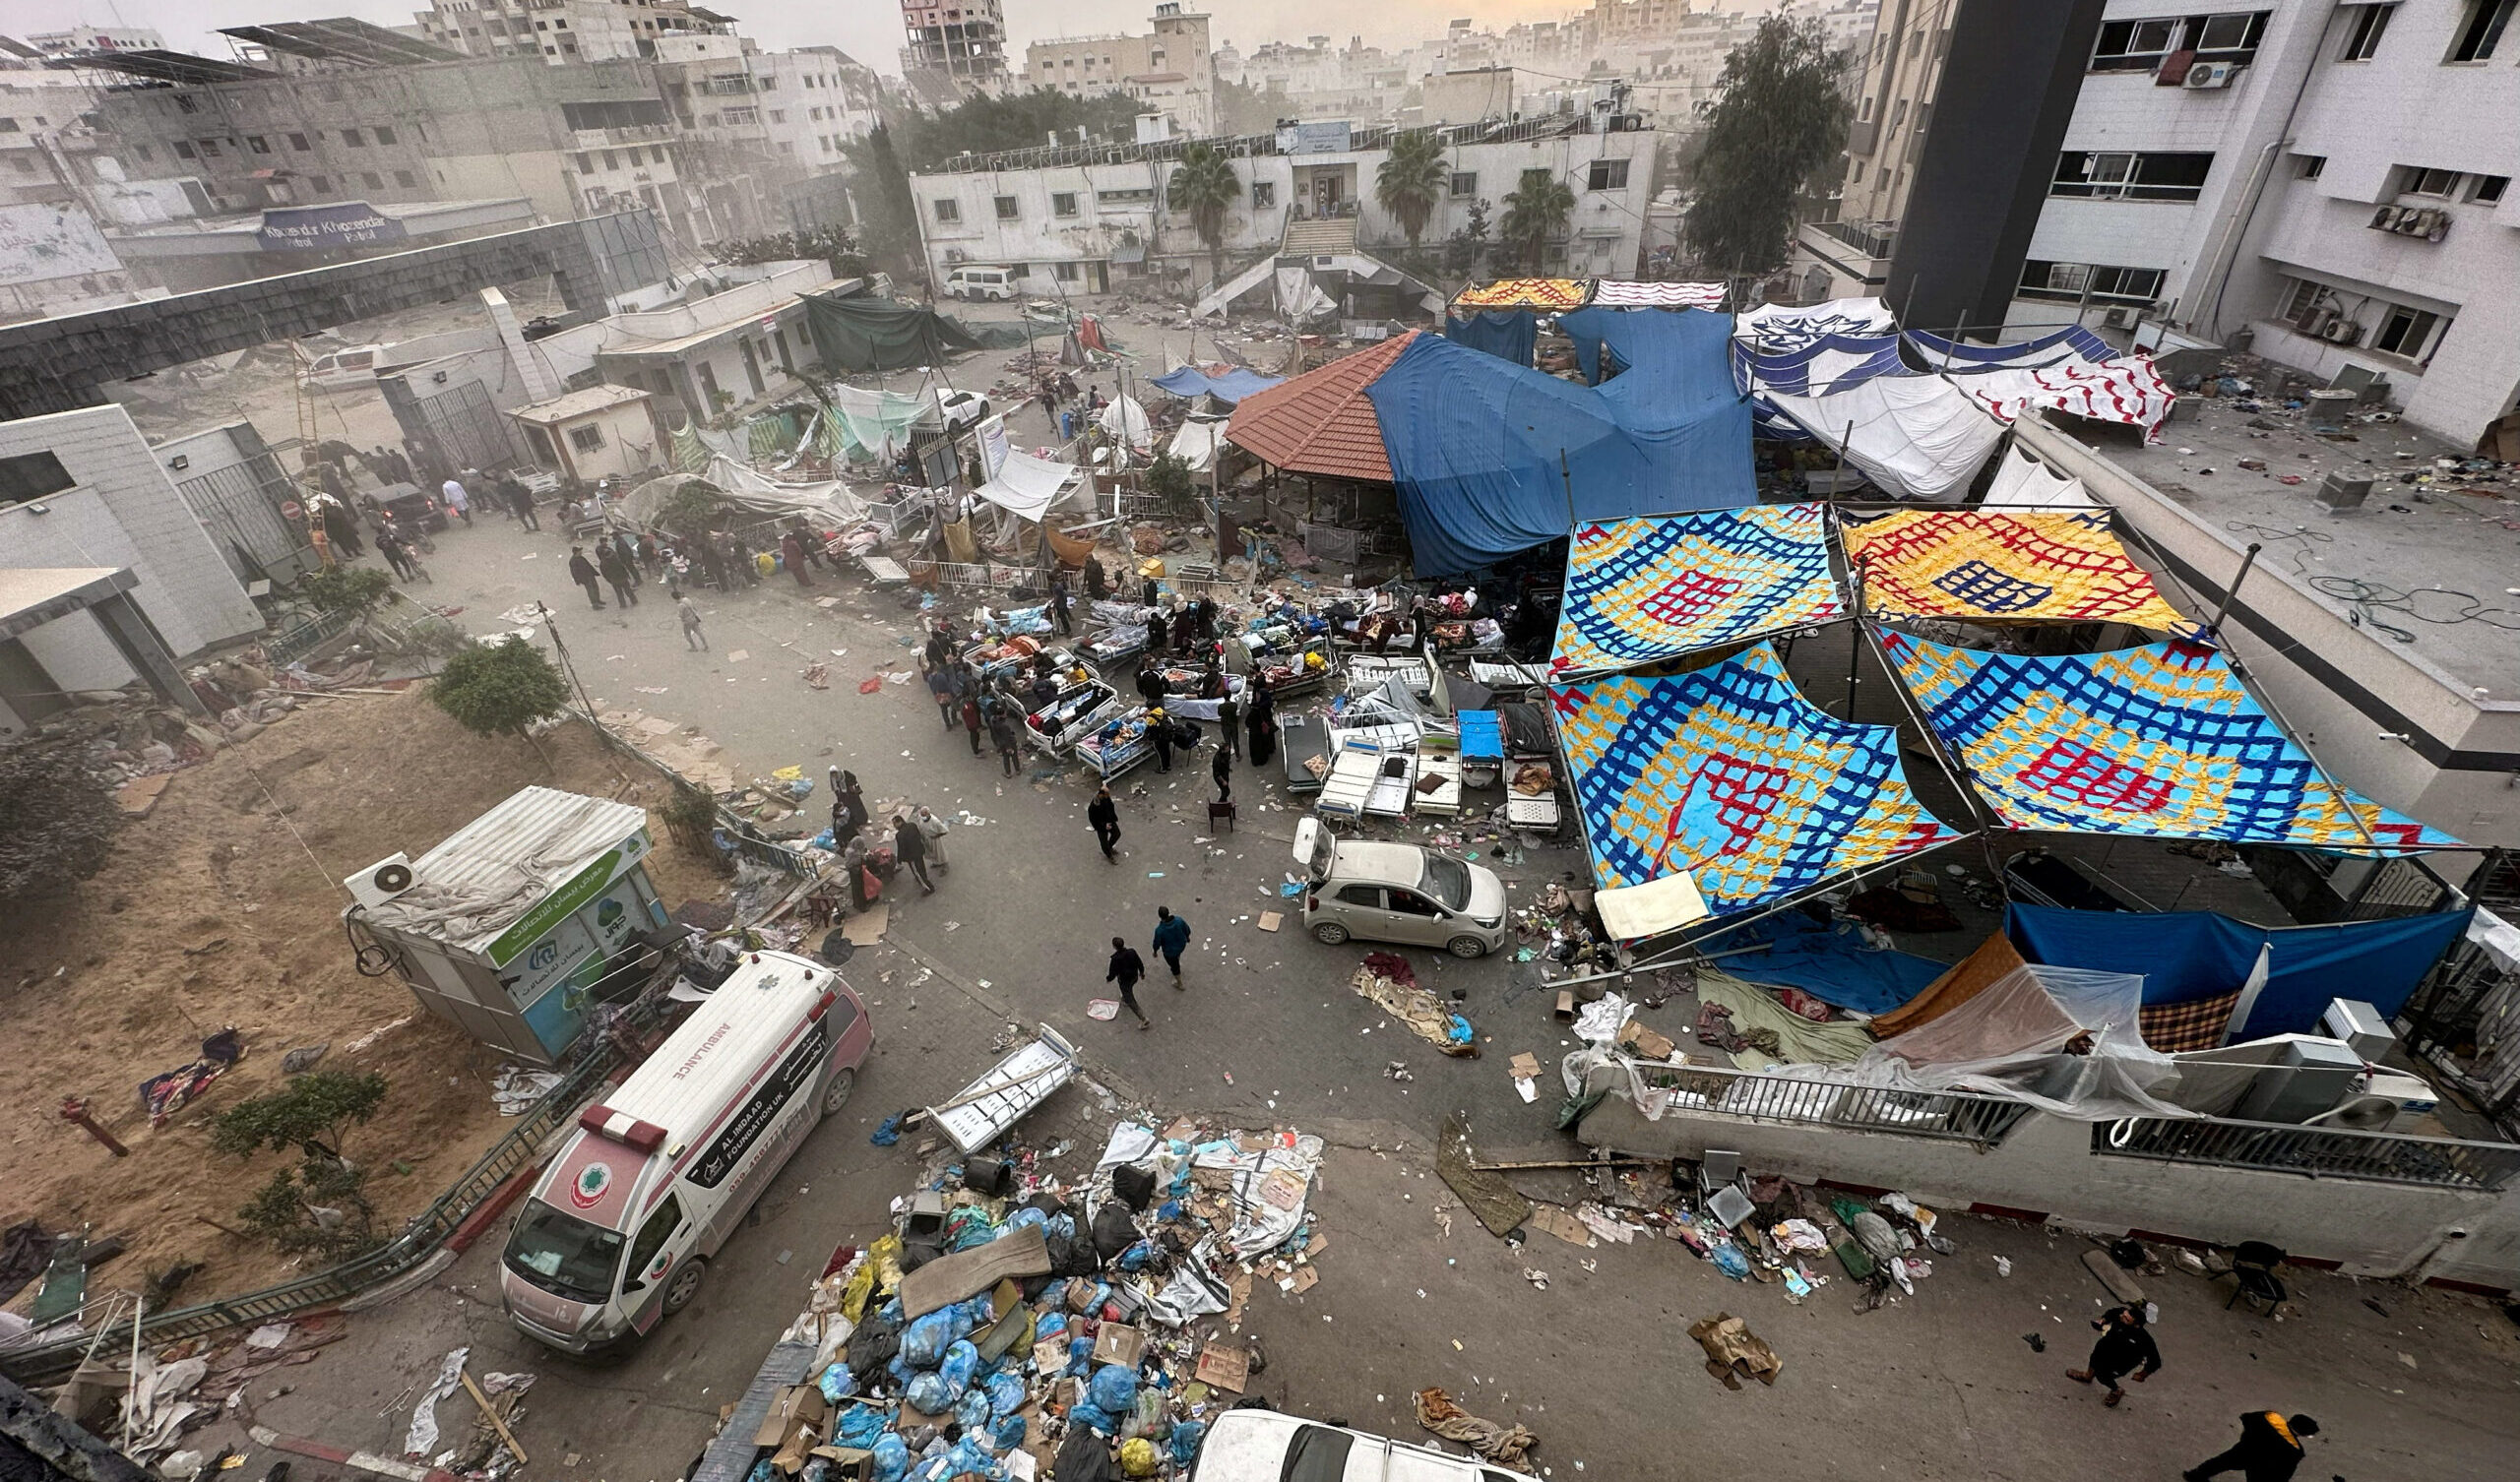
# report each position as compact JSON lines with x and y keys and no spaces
{"x":1506,"y":333}
{"x":1474,"y":444}
{"x":2187,"y":956}
{"x":1833,"y":965}
{"x":1232,"y":386}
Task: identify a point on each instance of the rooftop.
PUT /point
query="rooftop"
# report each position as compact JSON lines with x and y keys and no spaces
{"x":2434,"y":555}
{"x":578,"y":404}
{"x":1321,"y":423}
{"x":31,"y":597}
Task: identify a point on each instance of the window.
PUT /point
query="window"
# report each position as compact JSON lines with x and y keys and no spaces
{"x":2308,"y":166}
{"x":2364,"y":25}
{"x":2407,"y":331}
{"x":2118,"y":176}
{"x":1066,"y":273}
{"x":1063,"y":203}
{"x":32,"y":475}
{"x":1607,"y":175}
{"x":949,"y":210}
{"x":2073,"y":281}
{"x":2488,"y":189}
{"x":611,"y":161}
{"x":209,"y":148}
{"x":777,"y":115}
{"x":2132,"y":45}
{"x":351,"y":137}
{"x":1465,"y":182}
{"x":258,"y":143}
{"x":2301,"y":301}
{"x":2481,"y":31}
{"x":1124,"y":196}
{"x":2142,"y":45}
{"x":655,"y":153}
{"x":321,"y":185}
{"x":1264,"y":194}
{"x":1367,"y":895}
{"x":2414,"y":180}
{"x":382,"y":134}
{"x":661,"y":1225}
{"x":298,"y":142}
{"x":587,"y":439}
{"x":371,"y":179}
{"x":407,"y":180}
{"x":1006,"y":208}
{"x":183,"y":150}
{"x":2225,"y":34}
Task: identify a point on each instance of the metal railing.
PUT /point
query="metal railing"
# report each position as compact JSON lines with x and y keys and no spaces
{"x":2315,"y":1152}
{"x":1953,"y":1116}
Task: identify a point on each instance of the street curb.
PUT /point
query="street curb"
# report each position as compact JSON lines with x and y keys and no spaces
{"x":411,"y":1280}
{"x":366,"y":1461}
{"x":487,"y":1213}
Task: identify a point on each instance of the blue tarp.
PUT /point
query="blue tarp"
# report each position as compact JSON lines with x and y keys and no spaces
{"x":1832,"y":965}
{"x":1617,"y":339}
{"x":1232,"y":386}
{"x":1506,"y":333}
{"x":1818,"y":366}
{"x":1474,"y":444}
{"x":2187,"y":955}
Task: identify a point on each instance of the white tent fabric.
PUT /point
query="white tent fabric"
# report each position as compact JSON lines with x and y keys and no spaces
{"x":1299,"y":298}
{"x":1784,"y":327}
{"x":1127,"y":421}
{"x":1026,"y":485}
{"x":828,"y":504}
{"x":1197,"y":442}
{"x":2127,"y":390}
{"x":2022,"y":483}
{"x":1615,"y":294}
{"x":1914,"y":435}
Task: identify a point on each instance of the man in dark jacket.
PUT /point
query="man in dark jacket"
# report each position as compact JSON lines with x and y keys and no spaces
{"x":1171,"y":939}
{"x":1150,"y":683}
{"x":1159,"y":730}
{"x":1006,"y":733}
{"x":1105,"y":815}
{"x":910,"y":846}
{"x":1222,"y":768}
{"x":2270,"y":1448}
{"x":1097,"y":582}
{"x":581,"y":571}
{"x":617,"y":573}
{"x":1228,"y":723}
{"x":2124,"y":1349}
{"x":1059,"y":620}
{"x":1155,"y":630}
{"x":1126,"y":968}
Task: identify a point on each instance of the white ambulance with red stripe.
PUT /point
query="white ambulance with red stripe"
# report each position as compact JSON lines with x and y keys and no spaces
{"x":618,"y":1233}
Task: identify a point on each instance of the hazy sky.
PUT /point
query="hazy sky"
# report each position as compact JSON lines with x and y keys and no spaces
{"x":868,"y":29}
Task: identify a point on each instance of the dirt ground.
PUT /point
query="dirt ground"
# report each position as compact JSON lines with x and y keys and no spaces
{"x":221,"y":907}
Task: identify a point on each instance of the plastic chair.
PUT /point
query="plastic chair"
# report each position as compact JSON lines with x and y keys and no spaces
{"x":2253,"y":1266}
{"x":1221,"y":813}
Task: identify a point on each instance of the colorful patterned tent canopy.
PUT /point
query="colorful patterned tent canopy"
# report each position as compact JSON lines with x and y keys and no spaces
{"x":2031,"y":566}
{"x":2159,"y":741}
{"x":1619,"y":293}
{"x":1728,"y":774}
{"x":1642,"y":590}
{"x":1549,"y":295}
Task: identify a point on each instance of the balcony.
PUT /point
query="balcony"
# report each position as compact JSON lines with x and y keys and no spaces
{"x":1952,"y":1116}
{"x":597,"y":139}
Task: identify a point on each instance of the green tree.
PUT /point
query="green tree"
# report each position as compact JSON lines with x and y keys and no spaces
{"x":353,"y":589}
{"x":1777,"y":117}
{"x":313,"y":1114}
{"x":1169,"y":478}
{"x":880,"y":186}
{"x":1242,"y":109}
{"x":316,"y":1205}
{"x":1469,"y":241}
{"x":1535,"y":209}
{"x":832,"y":244}
{"x":691,"y":509}
{"x":1203,"y":187}
{"x":498,"y":689}
{"x":56,"y":822}
{"x":1411,"y":180}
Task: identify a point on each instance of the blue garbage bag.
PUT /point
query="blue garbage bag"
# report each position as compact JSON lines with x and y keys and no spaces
{"x":763,"y":1471}
{"x":971,"y":1412}
{"x":889,"y":1131}
{"x":838,"y":1384}
{"x":859,"y":1426}
{"x":929,"y":1393}
{"x":1005,"y":1393}
{"x":900,"y":1370}
{"x":923,"y":1342}
{"x":1062,"y":1226}
{"x":1093,"y":1417}
{"x":1006,"y":1433}
{"x":1025,"y":1218}
{"x":892,"y":1458}
{"x":1080,"y":1356}
{"x":1050,"y":1327}
{"x":1459,"y":1031}
{"x":1730,"y":1262}
{"x":1185,"y":1440}
{"x":1116,"y":1388}
{"x":892,"y":1312}
{"x":960,"y":1362}
{"x":1135,"y":1258}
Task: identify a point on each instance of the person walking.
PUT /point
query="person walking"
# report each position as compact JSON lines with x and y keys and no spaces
{"x":2124,"y":1349}
{"x":692,"y":636}
{"x":848,"y":806}
{"x":934,"y":830}
{"x":521,"y":500}
{"x":457,"y":502}
{"x":1059,"y":619}
{"x":339,"y":527}
{"x":974,"y":721}
{"x":1097,"y":582}
{"x":628,"y":551}
{"x":1262,"y":728}
{"x":617,"y":573}
{"x":1222,"y":768}
{"x":389,"y":544}
{"x":1159,"y":729}
{"x":945,"y":687}
{"x":1105,"y":815}
{"x":1007,"y":733}
{"x":2268,"y":1451}
{"x":1172,"y":938}
{"x":1126,"y":968}
{"x":581,"y":571}
{"x":1228,"y":727}
{"x":910,"y":846}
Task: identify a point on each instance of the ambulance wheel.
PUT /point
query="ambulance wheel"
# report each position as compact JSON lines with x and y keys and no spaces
{"x":836,"y":1094}
{"x":1330,"y":933}
{"x":685,"y":1285}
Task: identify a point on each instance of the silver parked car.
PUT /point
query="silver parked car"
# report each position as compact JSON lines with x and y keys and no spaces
{"x":1398,"y":893}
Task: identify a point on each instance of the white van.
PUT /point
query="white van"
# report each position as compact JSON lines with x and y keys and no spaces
{"x":1266,"y":1445}
{"x":618,"y":1233}
{"x":996,"y":284}
{"x":344,"y":370}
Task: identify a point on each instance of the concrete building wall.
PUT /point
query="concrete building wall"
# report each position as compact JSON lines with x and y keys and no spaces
{"x":125,"y":512}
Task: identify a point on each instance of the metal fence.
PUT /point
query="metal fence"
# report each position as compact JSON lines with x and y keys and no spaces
{"x":1954,"y":1116}
{"x":2316,"y":1151}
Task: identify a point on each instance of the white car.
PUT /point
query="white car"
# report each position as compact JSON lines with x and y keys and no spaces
{"x":958,"y":409}
{"x":1265,"y":1446}
{"x":1398,"y":893}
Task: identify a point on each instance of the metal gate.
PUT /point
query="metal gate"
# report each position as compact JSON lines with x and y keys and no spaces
{"x":240,"y":507}
{"x":472,"y":433}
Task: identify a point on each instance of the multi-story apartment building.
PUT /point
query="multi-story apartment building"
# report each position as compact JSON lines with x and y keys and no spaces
{"x":79,"y":38}
{"x":756,"y":125}
{"x":564,"y":32}
{"x":1171,"y":67}
{"x":958,"y":43}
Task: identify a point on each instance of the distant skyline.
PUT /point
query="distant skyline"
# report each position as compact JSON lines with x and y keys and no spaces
{"x":868,"y":29}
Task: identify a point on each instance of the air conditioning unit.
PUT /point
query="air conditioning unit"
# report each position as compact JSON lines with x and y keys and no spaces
{"x":2434,"y":223}
{"x":2204,"y":75}
{"x":2117,"y":319}
{"x":2315,"y":321}
{"x":2386,"y":218}
{"x":2343,"y":331}
{"x":380,"y":882}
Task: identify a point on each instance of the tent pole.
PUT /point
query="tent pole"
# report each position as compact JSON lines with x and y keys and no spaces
{"x":1567,"y":479}
{"x":1855,"y":640}
{"x":2222,"y":608}
{"x":1949,"y":764}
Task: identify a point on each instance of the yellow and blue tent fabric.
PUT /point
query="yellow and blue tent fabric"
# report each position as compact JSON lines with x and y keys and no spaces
{"x":2160,"y":741}
{"x":1728,"y":774}
{"x":1642,"y":590}
{"x":1547,"y":295}
{"x":1983,"y":566}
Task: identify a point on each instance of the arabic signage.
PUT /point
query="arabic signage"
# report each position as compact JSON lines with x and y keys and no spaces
{"x":746,"y":1129}
{"x":310,"y":229}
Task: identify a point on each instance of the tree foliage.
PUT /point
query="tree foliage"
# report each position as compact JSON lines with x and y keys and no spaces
{"x":1244,"y":109}
{"x":1535,"y":209}
{"x":355,"y":589}
{"x":313,"y":1114}
{"x":831,"y":244}
{"x":498,"y":689}
{"x":317,"y":1205}
{"x":1467,"y":242}
{"x":880,"y":187}
{"x":985,"y":125}
{"x":691,"y":509}
{"x":1776,"y":119}
{"x":1203,"y":187}
{"x":56,"y":823}
{"x":1410,"y":181}
{"x":1169,"y":480}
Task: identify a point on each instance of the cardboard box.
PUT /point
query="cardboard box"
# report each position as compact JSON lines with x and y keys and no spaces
{"x":1564,"y":1012}
{"x":793,"y":1404}
{"x":1118,"y":1343}
{"x":1524,"y":1065}
{"x":1223,"y":1368}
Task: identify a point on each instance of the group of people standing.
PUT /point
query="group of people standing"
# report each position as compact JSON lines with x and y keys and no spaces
{"x":914,"y":840}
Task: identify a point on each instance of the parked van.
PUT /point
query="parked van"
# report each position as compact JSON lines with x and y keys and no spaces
{"x":992,"y":284}
{"x":344,"y":370}
{"x":618,"y":1233}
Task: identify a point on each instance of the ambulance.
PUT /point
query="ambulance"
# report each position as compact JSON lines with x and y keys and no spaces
{"x":617,"y":1235}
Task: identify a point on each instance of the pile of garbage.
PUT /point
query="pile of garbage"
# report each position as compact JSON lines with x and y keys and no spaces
{"x":1013,"y":1322}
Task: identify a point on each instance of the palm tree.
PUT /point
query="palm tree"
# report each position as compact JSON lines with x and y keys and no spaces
{"x":1536,"y":210}
{"x":1202,"y":187}
{"x":1410,"y":180}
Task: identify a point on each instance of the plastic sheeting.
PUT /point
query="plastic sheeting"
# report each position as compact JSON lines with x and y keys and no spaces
{"x":2024,"y":481}
{"x":2127,"y":391}
{"x":1915,"y":437}
{"x":2160,"y":742}
{"x":1549,"y":294}
{"x":1476,"y":447}
{"x":863,"y":333}
{"x":1509,"y":335}
{"x":1642,"y":590}
{"x":1197,"y":444}
{"x":873,"y":425}
{"x":1834,"y":964}
{"x":1127,"y":421}
{"x":1818,"y":366}
{"x":1229,"y":384}
{"x":1299,"y":297}
{"x":2074,"y":342}
{"x":2009,"y":566}
{"x":1617,"y":294}
{"x":1026,"y":485}
{"x":1799,"y":1041}
{"x":1728,"y":774}
{"x":2187,"y":955}
{"x":1780,"y":327}
{"x":2013,"y":1040}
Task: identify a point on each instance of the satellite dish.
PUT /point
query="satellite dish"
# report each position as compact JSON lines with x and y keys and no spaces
{"x":391,"y":879}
